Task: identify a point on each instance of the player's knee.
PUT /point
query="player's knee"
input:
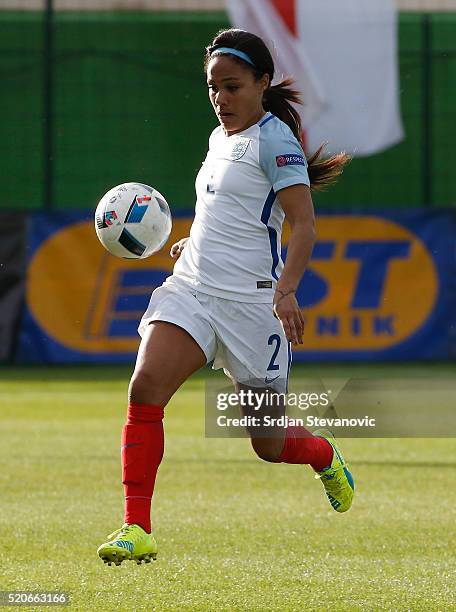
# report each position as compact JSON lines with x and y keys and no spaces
{"x":267,"y":450}
{"x":147,"y":388}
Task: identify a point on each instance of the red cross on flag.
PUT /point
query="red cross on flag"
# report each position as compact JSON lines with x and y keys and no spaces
{"x":343,"y":55}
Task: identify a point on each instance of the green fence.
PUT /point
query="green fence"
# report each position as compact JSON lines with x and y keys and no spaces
{"x":103,"y":98}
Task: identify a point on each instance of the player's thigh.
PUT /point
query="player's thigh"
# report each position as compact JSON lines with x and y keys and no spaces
{"x":167,"y":356}
{"x":255,"y":352}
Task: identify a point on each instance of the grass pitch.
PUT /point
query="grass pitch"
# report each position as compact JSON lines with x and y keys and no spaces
{"x":234,"y":533}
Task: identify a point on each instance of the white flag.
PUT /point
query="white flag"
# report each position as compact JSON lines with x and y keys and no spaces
{"x":344,"y":59}
{"x":261,"y":18}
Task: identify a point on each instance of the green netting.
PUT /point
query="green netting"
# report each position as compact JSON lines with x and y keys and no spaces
{"x":444,"y":110}
{"x":21,"y":110}
{"x":130,"y":103}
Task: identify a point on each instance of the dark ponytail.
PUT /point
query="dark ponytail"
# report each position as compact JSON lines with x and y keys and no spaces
{"x":278,"y":98}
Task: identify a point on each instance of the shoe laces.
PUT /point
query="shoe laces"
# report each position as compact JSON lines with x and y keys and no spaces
{"x":125,"y":530}
{"x":334,"y":474}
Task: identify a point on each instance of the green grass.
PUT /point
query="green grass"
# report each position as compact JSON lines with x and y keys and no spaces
{"x":234,"y":533}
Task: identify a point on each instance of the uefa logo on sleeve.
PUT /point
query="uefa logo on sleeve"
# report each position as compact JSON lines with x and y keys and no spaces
{"x":290,"y":159}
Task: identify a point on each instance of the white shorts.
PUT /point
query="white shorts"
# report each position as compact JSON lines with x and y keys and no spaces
{"x":244,"y":339}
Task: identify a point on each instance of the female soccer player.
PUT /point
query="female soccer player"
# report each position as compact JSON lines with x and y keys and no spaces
{"x":230,"y":298}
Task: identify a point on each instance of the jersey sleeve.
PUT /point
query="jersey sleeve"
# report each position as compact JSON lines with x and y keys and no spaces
{"x":281,"y":157}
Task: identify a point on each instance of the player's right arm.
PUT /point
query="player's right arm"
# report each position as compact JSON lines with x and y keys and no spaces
{"x":178,"y":247}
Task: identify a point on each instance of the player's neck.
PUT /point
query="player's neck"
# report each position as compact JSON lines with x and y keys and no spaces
{"x":258,"y":117}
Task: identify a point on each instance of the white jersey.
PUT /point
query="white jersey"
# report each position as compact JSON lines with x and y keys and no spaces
{"x":234,"y":250}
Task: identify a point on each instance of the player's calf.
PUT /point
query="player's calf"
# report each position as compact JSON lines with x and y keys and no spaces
{"x":268,"y":449}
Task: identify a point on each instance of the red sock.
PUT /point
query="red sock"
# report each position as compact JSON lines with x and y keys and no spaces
{"x":301,"y":446}
{"x":142,"y":452}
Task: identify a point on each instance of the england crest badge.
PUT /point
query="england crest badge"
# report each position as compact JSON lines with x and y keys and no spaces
{"x":239,"y":148}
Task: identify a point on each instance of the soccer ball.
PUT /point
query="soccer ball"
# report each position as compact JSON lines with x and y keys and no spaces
{"x":133,"y":221}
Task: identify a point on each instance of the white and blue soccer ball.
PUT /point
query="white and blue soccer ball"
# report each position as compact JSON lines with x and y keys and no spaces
{"x":133,"y":221}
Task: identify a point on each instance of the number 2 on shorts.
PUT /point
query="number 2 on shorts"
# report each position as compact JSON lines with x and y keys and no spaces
{"x":275,"y":338}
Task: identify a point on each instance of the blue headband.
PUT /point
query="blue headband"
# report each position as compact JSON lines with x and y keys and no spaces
{"x":236,"y":52}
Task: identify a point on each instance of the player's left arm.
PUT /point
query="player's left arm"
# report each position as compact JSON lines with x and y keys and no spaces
{"x":297,"y":205}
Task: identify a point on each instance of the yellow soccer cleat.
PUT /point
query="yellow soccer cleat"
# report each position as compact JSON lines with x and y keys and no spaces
{"x":337,"y":480}
{"x":129,"y":542}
